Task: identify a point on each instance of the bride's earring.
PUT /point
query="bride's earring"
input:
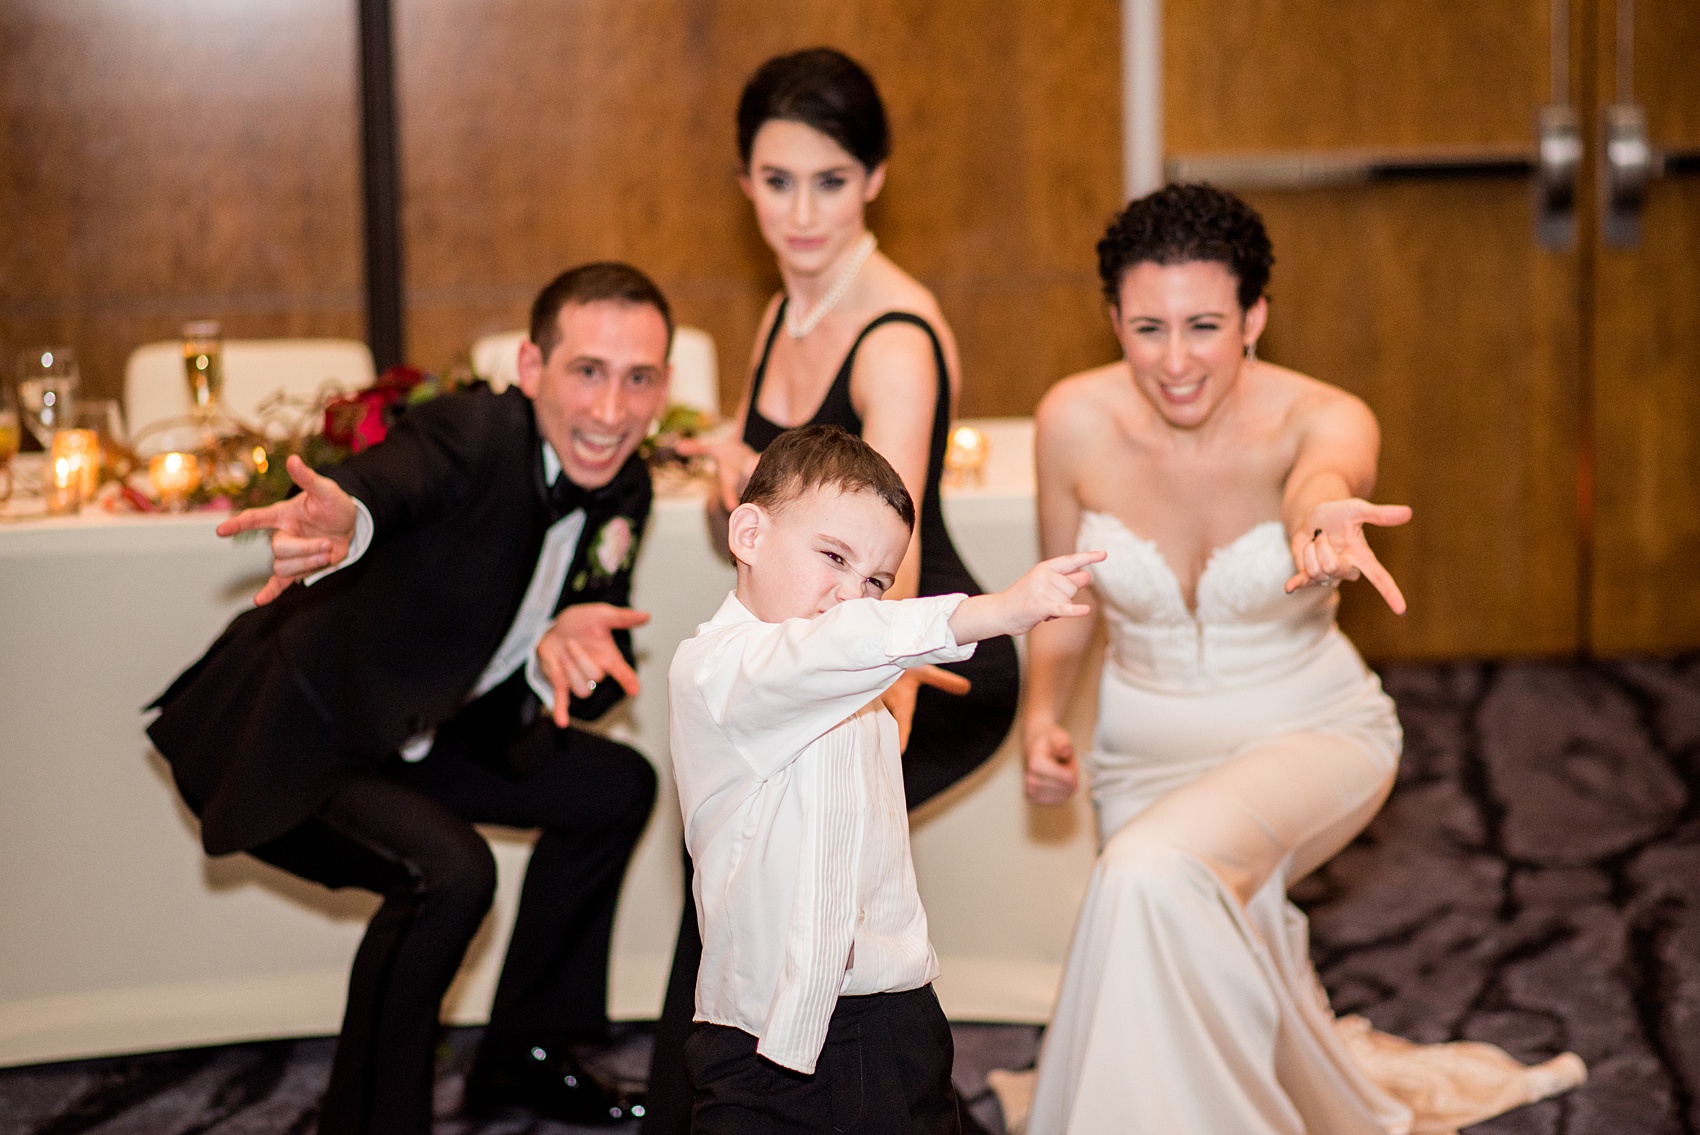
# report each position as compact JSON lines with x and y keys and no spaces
{"x":1251,"y":351}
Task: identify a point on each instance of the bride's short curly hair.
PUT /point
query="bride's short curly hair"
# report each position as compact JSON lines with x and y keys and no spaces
{"x":1182,"y":223}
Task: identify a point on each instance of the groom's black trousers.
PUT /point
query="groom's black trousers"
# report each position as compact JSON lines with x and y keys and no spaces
{"x":405,"y":832}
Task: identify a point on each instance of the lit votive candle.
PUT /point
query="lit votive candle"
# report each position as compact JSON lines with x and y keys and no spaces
{"x":965,"y":457}
{"x":173,"y":477}
{"x":64,"y":487}
{"x":75,"y":459}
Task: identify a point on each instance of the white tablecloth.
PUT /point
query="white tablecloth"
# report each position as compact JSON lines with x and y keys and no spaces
{"x":119,"y":935}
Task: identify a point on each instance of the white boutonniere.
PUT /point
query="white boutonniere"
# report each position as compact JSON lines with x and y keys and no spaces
{"x":610,"y":553}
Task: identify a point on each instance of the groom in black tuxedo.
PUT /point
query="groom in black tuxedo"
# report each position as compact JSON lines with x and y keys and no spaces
{"x":440,"y":606}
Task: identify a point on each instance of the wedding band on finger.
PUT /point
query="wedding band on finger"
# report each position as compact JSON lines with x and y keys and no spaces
{"x":591,"y":682}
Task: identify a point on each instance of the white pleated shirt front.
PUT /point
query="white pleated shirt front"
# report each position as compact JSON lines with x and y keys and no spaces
{"x":790,"y":782}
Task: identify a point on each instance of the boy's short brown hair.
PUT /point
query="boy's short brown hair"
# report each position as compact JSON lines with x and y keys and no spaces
{"x":809,"y":457}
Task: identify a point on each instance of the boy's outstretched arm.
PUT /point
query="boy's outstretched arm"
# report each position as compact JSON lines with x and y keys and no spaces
{"x":1046,"y":592}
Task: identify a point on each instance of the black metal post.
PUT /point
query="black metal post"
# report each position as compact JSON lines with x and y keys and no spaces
{"x":380,"y":175}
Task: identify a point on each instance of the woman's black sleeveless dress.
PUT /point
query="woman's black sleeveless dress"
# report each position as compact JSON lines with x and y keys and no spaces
{"x":951,"y":736}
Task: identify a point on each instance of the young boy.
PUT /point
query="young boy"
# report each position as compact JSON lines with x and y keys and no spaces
{"x":814,"y":1004}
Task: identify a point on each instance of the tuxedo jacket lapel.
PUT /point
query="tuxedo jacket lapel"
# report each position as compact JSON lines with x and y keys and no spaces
{"x":392,"y":644}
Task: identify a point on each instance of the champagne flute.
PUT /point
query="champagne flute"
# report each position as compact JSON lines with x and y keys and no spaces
{"x":203,"y":366}
{"x":47,"y":388}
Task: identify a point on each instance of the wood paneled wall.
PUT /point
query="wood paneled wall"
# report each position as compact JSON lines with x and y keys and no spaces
{"x":536,"y":135}
{"x":1279,"y":74}
{"x":167,"y":162}
{"x":163,"y":162}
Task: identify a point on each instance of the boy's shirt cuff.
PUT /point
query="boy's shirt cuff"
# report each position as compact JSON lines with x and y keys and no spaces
{"x":920,"y":635}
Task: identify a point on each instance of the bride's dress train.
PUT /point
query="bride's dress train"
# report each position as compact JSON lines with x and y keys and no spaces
{"x":1237,"y":749}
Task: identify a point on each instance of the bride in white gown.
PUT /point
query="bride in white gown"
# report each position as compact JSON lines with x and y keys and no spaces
{"x":1241,"y":741}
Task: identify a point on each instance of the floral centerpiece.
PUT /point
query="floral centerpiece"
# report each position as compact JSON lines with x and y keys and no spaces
{"x":242,"y":464}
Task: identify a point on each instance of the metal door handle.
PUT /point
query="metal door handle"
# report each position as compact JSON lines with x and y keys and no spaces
{"x":1559,"y":159}
{"x":1671,"y":163}
{"x":1625,"y":168}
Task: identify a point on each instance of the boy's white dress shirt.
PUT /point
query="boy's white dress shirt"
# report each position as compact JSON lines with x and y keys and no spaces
{"x":791,"y":784}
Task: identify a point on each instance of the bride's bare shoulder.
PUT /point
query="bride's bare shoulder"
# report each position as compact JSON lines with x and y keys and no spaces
{"x":1301,"y":397}
{"x":1082,"y":409}
{"x":1087,"y":396}
{"x":1306,"y":403}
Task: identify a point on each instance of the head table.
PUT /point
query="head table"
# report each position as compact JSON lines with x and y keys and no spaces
{"x":118,"y":935}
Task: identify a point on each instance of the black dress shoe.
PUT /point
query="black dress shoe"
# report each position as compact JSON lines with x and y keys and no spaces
{"x":550,"y":1081}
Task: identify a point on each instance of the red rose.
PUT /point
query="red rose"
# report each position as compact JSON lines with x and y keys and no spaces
{"x":362,"y":419}
{"x":405,"y":377}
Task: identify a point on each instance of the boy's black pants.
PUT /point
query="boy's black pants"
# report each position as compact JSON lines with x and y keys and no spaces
{"x":885,"y":1068}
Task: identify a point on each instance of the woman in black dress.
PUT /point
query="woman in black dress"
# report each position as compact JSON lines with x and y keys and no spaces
{"x":853,"y":341}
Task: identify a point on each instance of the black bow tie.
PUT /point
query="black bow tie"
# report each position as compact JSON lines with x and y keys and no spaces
{"x":565,"y":497}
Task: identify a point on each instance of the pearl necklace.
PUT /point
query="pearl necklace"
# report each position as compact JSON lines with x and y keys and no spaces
{"x":797,"y":328}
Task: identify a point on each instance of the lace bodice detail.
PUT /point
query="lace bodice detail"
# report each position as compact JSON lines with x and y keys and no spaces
{"x":1245,"y":624}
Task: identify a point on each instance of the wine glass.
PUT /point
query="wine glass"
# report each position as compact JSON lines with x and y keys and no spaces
{"x":9,"y":438}
{"x":203,"y":366}
{"x":47,"y":390}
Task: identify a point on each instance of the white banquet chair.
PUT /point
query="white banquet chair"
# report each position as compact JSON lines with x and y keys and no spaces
{"x":254,"y":370}
{"x":696,"y":371}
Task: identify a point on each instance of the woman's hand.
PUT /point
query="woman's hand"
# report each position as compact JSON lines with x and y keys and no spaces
{"x":899,"y":701}
{"x":733,"y":463}
{"x":1330,"y":547}
{"x":899,"y":697}
{"x":1052,"y":774}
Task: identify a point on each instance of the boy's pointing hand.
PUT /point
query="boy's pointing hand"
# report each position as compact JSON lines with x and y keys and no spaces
{"x":1046,"y":592}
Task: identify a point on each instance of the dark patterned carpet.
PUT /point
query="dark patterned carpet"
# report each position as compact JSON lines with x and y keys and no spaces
{"x":1534,"y":881}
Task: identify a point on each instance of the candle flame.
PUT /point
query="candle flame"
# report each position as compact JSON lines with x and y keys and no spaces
{"x":968,"y":438}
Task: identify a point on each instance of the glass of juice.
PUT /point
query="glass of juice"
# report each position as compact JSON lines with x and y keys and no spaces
{"x":10,"y":436}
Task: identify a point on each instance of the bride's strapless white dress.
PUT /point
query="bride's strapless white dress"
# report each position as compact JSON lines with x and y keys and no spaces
{"x":1238,"y":746}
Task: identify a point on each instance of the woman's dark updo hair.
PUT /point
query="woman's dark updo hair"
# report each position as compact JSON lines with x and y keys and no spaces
{"x":1179,"y":224}
{"x":823,"y":89}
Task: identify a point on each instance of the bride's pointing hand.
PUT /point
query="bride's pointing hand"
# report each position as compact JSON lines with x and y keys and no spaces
{"x":1330,"y":547}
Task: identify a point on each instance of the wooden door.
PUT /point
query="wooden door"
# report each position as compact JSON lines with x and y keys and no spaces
{"x":1645,"y":355}
{"x":1430,"y":297}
